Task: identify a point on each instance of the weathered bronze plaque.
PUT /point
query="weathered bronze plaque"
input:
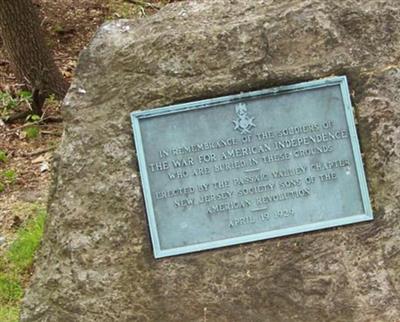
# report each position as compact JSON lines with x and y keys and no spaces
{"x":252,"y":166}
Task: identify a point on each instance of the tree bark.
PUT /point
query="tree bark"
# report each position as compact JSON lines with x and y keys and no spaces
{"x":26,"y":47}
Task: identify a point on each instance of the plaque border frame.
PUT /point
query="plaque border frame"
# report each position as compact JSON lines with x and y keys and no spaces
{"x":195,"y":105}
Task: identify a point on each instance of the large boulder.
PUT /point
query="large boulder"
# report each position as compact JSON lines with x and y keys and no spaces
{"x":96,"y":261}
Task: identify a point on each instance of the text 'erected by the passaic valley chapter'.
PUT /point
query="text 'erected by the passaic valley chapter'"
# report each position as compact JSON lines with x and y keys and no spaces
{"x":236,"y":172}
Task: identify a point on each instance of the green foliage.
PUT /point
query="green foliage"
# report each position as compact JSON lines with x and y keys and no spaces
{"x":32,"y":132}
{"x":3,"y":156}
{"x":2,"y":187}
{"x":10,"y":102}
{"x":7,"y":101}
{"x":21,"y":252}
{"x":25,"y":96}
{"x":35,"y":117}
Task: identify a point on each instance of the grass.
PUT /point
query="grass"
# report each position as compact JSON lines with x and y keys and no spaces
{"x":7,"y":178}
{"x":10,"y":288}
{"x":3,"y":156}
{"x":16,"y":264}
{"x":9,"y":313}
{"x":24,"y":247}
{"x":32,"y":132}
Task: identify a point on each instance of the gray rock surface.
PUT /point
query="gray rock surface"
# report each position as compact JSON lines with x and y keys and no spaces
{"x":96,"y":262}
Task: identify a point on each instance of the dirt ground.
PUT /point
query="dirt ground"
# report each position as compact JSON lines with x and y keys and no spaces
{"x":69,"y":25}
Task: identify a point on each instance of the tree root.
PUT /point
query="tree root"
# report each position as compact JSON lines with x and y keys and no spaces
{"x":16,"y":117}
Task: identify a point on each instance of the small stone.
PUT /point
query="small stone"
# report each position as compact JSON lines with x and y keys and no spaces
{"x":44,"y":167}
{"x":126,"y":28}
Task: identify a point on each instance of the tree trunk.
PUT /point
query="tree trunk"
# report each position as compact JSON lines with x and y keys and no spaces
{"x":25,"y":44}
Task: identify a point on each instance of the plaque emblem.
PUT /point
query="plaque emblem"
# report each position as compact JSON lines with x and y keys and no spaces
{"x":243,"y":123}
